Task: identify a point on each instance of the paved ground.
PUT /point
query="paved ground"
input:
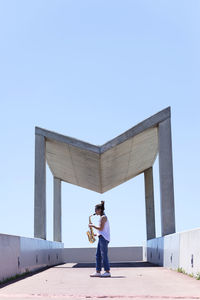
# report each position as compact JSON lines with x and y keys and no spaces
{"x":138,"y":282}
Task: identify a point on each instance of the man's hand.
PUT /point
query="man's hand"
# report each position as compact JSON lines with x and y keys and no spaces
{"x":103,"y":220}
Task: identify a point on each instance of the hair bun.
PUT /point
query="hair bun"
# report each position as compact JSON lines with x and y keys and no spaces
{"x":102,"y":203}
{"x":100,"y":206}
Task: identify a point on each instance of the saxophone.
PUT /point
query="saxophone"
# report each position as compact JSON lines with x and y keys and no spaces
{"x":90,"y":233}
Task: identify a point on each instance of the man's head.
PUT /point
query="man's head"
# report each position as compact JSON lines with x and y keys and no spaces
{"x":99,"y":208}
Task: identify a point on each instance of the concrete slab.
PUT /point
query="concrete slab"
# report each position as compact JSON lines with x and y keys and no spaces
{"x":67,"y":282}
{"x":101,"y":168}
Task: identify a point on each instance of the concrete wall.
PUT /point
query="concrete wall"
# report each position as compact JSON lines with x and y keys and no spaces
{"x":38,"y":253}
{"x":21,"y":254}
{"x":177,"y":250}
{"x":116,"y":254}
{"x":9,"y":255}
{"x":189,"y":258}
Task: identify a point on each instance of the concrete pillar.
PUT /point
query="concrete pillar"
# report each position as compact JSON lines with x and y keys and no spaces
{"x":149,"y":204}
{"x":40,"y":188}
{"x":166,"y":178}
{"x":57,"y":213}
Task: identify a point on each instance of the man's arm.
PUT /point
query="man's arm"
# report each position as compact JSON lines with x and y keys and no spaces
{"x":102,"y":223}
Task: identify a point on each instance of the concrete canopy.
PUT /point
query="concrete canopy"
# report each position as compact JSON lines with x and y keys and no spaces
{"x":101,"y":168}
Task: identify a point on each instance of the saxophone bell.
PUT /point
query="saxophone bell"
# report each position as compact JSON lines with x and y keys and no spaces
{"x":90,"y":232}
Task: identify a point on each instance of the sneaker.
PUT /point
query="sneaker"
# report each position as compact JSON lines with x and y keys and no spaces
{"x":106,"y":274}
{"x":95,"y":274}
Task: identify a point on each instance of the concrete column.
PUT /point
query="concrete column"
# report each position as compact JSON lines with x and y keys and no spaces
{"x":40,"y":188}
{"x":166,"y":178}
{"x":57,"y":213}
{"x":149,"y":204}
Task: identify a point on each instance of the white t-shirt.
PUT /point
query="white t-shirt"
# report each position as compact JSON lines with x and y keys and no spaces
{"x":106,"y":230}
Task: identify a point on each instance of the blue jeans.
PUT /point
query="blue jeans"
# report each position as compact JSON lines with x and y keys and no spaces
{"x":102,"y":254}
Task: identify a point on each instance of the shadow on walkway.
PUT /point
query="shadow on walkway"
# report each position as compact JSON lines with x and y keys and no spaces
{"x":22,"y":276}
{"x":134,"y":264}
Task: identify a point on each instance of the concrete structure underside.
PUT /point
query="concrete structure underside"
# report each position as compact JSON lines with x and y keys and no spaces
{"x":101,"y":168}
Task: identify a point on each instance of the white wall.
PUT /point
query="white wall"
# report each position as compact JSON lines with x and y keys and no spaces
{"x":190,"y":251}
{"x":9,"y":255}
{"x":37,"y":253}
{"x":21,"y":254}
{"x":116,"y":254}
{"x":177,"y":250}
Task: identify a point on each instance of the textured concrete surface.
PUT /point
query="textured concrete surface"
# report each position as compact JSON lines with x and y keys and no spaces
{"x":189,"y":258}
{"x":166,"y":178}
{"x":87,"y":254}
{"x":175,"y":250}
{"x":138,"y":282}
{"x":149,"y":204}
{"x":101,"y":172}
{"x":101,"y":168}
{"x":57,"y":210}
{"x":40,"y":188}
{"x":19,"y":254}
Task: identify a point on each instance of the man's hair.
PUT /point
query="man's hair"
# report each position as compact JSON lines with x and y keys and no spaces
{"x":100,"y":206}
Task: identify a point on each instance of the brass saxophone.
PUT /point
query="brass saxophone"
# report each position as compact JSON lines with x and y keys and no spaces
{"x":90,"y":233}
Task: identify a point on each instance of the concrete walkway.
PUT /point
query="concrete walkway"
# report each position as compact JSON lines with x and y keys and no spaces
{"x":138,"y":282}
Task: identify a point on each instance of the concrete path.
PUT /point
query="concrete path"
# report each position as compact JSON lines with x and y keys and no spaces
{"x":139,"y":282}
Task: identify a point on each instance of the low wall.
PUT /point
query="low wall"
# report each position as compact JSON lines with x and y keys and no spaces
{"x":21,"y":254}
{"x":177,"y":250}
{"x":116,"y":254}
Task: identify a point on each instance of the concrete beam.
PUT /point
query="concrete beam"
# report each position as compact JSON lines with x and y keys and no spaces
{"x":51,"y":135}
{"x":40,"y":188}
{"x":57,"y":211}
{"x":149,"y":204}
{"x":166,"y":178}
{"x":150,"y":122}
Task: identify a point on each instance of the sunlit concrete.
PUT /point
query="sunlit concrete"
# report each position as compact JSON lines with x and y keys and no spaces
{"x":100,"y":168}
{"x":22,"y":254}
{"x":166,"y":178}
{"x":57,"y":210}
{"x":116,"y":254}
{"x":149,"y":204}
{"x":40,"y":188}
{"x":177,"y":250}
{"x":141,"y":281}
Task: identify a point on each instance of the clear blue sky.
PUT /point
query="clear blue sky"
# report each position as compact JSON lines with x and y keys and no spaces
{"x":91,"y":70}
